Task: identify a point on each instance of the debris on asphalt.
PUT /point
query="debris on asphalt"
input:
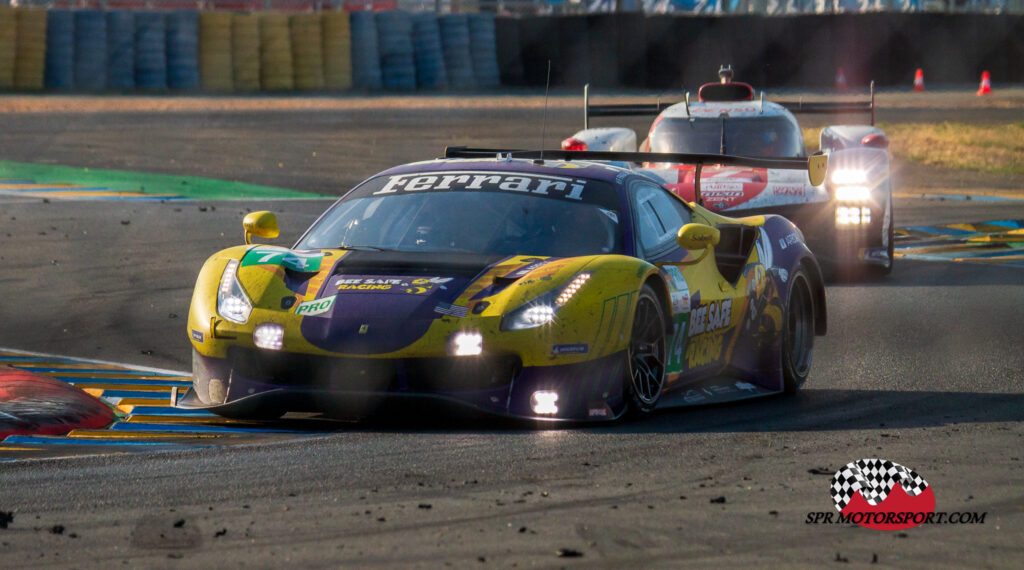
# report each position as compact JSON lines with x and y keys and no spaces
{"x":569,"y":553}
{"x":840,"y":558}
{"x":125,"y":222}
{"x":718,"y":500}
{"x":6,"y":518}
{"x":821,"y":471}
{"x":179,"y":523}
{"x":220,"y":533}
{"x":57,"y":529}
{"x":426,"y":506}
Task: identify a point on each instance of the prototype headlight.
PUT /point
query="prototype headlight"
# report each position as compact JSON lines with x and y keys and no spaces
{"x":849,"y":176}
{"x":542,"y":310}
{"x":232,"y":302}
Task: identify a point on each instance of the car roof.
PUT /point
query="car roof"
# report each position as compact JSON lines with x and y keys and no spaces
{"x":605,"y":172}
{"x":733,"y":108}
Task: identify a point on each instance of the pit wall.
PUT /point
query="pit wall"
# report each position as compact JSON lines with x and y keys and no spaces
{"x":673,"y":52}
{"x":221,"y":51}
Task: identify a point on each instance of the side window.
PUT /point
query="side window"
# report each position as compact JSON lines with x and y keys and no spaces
{"x":658,"y":217}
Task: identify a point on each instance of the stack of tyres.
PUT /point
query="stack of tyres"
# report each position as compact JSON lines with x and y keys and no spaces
{"x":276,"y":70}
{"x":455,"y":43}
{"x":150,"y":51}
{"x":397,"y":63}
{"x":183,"y":50}
{"x":60,"y":52}
{"x":90,"y":50}
{"x":30,"y":51}
{"x":307,"y":51}
{"x":245,"y":52}
{"x":483,"y":48}
{"x":121,"y":50}
{"x":337,"y":50}
{"x":426,"y":40}
{"x":365,"y":53}
{"x":215,"y":73}
{"x":8,"y":44}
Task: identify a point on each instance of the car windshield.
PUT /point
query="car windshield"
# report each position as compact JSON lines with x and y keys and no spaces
{"x":743,"y":136}
{"x":493,"y":213}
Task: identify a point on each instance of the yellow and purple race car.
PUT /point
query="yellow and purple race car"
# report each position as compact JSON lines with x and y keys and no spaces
{"x":551,"y":286}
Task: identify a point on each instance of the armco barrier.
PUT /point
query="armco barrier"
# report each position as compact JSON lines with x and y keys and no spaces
{"x":90,"y":50}
{"x":183,"y":50}
{"x":365,"y":53}
{"x":121,"y":50}
{"x":337,"y":36}
{"x":215,"y":72}
{"x":30,"y":51}
{"x":245,"y":52}
{"x":426,"y":41}
{"x":307,"y":51}
{"x":150,"y":51}
{"x":397,"y":63}
{"x":60,"y":50}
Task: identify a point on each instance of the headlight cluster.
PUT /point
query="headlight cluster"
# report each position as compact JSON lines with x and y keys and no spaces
{"x":851,"y":216}
{"x":541,"y":310}
{"x":232,"y":302}
{"x":851,"y":185}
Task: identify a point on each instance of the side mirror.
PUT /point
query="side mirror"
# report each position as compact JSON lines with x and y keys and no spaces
{"x":817,"y":166}
{"x":697,"y":236}
{"x":260,"y":224}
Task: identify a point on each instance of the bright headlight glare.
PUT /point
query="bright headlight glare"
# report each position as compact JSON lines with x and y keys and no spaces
{"x":269,"y":336}
{"x":571,"y":289}
{"x":851,"y":216}
{"x":853,"y":193}
{"x":467,"y":343}
{"x":849,"y":176}
{"x":232,"y":302}
{"x":541,"y":310}
{"x":544,"y":402}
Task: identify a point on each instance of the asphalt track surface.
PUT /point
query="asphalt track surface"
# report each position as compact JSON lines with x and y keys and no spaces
{"x":924,"y":368}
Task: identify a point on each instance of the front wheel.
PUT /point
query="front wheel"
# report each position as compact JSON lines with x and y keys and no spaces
{"x":797,"y":333}
{"x":647,"y":352}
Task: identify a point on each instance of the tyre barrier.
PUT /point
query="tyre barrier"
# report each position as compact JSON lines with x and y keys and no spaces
{"x":8,"y":45}
{"x":121,"y":50}
{"x":276,"y":68}
{"x":183,"y":50}
{"x":245,"y":52}
{"x":215,"y":71}
{"x":307,"y":51}
{"x":455,"y":44}
{"x":30,"y":50}
{"x":366,"y":72}
{"x":60,"y":50}
{"x":426,"y":41}
{"x":150,"y":51}
{"x":90,"y":50}
{"x":397,"y":62}
{"x":483,"y":50}
{"x":337,"y":52}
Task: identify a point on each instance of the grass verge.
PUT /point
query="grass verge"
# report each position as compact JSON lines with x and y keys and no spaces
{"x":191,"y":187}
{"x":996,"y":148}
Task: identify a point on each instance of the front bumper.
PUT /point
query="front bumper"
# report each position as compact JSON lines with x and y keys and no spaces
{"x":250,"y":382}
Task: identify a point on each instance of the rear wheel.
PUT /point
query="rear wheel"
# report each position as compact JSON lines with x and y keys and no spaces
{"x":797,"y":333}
{"x":646,"y":377}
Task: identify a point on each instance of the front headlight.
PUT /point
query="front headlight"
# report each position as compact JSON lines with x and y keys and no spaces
{"x":853,"y":193}
{"x":542,"y":310}
{"x":232,"y":302}
{"x":849,"y":176}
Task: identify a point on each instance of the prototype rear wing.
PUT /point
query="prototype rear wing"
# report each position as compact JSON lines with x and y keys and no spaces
{"x":833,"y":107}
{"x":654,"y":109}
{"x":815,"y":165}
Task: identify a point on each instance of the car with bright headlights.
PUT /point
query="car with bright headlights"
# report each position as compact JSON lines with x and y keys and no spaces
{"x":544,"y":286}
{"x":847,"y":220}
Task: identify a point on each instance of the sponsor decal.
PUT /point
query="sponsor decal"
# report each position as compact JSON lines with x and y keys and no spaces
{"x":406,"y":285}
{"x":707,"y":324}
{"x":578,"y":348}
{"x":716,"y":189}
{"x":611,"y":215}
{"x":294,"y":260}
{"x":884,"y":495}
{"x":745,"y":387}
{"x":675,"y":352}
{"x":569,"y":188}
{"x":598,"y":410}
{"x":788,"y":190}
{"x":315,"y":307}
{"x":197,"y":335}
{"x":788,"y":240}
{"x":694,"y":397}
{"x":451,"y":310}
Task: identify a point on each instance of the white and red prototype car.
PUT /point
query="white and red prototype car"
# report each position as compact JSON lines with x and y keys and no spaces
{"x":847,"y":221}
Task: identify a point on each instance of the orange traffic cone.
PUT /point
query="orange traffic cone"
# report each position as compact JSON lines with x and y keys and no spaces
{"x":919,"y":80}
{"x":986,"y":84}
{"x":840,"y":80}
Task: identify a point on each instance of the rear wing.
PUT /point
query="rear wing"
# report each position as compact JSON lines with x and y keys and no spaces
{"x":654,"y":109}
{"x":833,"y":107}
{"x":815,"y":165}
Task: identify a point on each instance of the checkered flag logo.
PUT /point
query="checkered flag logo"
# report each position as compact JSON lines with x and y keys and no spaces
{"x":874,"y":478}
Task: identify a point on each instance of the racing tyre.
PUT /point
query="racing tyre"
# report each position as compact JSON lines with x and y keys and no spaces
{"x":797,"y":333}
{"x":646,"y":355}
